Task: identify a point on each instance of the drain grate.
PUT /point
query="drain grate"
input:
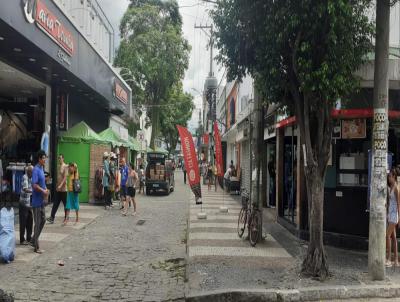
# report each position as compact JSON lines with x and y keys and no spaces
{"x":140,"y":222}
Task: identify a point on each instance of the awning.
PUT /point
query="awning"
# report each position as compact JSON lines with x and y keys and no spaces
{"x":82,"y":133}
{"x":135,"y":143}
{"x":110,"y":136}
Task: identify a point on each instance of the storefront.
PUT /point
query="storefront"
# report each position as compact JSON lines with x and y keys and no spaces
{"x":346,"y":202}
{"x":51,"y":78}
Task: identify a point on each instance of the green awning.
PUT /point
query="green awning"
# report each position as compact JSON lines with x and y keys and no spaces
{"x":110,"y":136}
{"x":81,"y":132}
{"x":135,"y":143}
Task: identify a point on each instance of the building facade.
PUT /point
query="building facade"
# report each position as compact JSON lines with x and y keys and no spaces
{"x":52,"y":76}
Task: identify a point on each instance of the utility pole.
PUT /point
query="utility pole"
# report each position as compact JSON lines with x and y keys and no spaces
{"x":377,"y":221}
{"x":210,"y":88}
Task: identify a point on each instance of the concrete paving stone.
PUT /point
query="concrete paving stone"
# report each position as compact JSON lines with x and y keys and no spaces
{"x":213,"y":236}
{"x":222,"y":225}
{"x":199,"y":251}
{"x":215,"y":217}
{"x":214,"y":206}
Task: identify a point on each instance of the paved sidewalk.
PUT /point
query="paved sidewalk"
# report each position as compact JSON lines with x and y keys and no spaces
{"x":222,"y":266}
{"x":54,"y":233}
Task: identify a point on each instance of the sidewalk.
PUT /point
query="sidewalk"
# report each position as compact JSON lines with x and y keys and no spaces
{"x":223,"y":266}
{"x":54,"y":233}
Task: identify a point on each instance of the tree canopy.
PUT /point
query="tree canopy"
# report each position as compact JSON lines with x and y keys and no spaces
{"x":177,"y":112}
{"x":302,"y":54}
{"x":155,"y":52}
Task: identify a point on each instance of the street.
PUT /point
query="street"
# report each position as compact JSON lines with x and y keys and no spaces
{"x":113,"y":258}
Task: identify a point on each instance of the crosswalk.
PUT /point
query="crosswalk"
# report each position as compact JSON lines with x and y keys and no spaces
{"x":217,"y":236}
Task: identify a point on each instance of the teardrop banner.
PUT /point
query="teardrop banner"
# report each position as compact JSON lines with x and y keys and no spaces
{"x":218,"y":150}
{"x":191,"y":164}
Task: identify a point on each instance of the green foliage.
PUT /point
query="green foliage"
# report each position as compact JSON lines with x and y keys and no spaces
{"x":178,"y":112}
{"x":317,"y":44}
{"x":153,"y":49}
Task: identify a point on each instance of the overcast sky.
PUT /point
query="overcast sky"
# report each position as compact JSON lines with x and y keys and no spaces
{"x":193,"y":12}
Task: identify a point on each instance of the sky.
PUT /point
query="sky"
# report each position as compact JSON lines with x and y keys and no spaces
{"x":194,"y":12}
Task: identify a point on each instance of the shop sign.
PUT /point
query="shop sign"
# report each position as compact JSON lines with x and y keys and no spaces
{"x":120,"y":93}
{"x":354,"y":128}
{"x":270,"y":127}
{"x":140,"y":135}
{"x":37,"y":12}
{"x":62,"y":112}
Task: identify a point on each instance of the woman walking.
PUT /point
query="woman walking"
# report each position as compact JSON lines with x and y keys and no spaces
{"x":131,"y":190}
{"x":73,"y":192}
{"x":393,"y":219}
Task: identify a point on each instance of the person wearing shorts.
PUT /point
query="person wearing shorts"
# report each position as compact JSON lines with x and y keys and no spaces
{"x":131,"y":191}
{"x":124,"y":170}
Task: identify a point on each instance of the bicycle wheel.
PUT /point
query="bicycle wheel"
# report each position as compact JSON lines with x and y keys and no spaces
{"x":242,"y":220}
{"x":254,"y":227}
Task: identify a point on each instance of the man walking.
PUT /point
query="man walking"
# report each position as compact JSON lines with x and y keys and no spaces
{"x":39,"y":195}
{"x":25,"y":210}
{"x":61,"y":194}
{"x":124,"y":170}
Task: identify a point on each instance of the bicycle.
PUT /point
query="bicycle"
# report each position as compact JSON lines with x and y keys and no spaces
{"x":249,"y":215}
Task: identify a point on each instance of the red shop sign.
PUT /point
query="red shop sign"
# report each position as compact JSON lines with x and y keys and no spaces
{"x":120,"y":93}
{"x":53,"y":27}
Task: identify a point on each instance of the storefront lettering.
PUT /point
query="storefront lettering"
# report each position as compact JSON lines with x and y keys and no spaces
{"x":120,"y":93}
{"x":49,"y":24}
{"x":64,"y":58}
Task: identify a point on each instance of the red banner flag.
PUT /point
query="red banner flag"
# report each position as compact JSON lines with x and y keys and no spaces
{"x":191,"y":165}
{"x":218,"y":150}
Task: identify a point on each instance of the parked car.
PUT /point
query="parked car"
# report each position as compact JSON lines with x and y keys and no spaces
{"x":159,"y":173}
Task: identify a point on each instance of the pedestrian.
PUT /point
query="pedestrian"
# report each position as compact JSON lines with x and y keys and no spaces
{"x":142,"y":179}
{"x":124,"y":170}
{"x":106,"y":180}
{"x":72,"y":195}
{"x":184,"y":172}
{"x":25,"y":208}
{"x":113,"y":177}
{"x":209,"y":175}
{"x":61,"y":190}
{"x":40,"y":193}
{"x":393,"y":209}
{"x":215,"y":176}
{"x":131,"y":191}
{"x":227,"y":178}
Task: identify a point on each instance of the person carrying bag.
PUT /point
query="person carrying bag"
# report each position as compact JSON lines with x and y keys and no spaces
{"x":74,"y":188}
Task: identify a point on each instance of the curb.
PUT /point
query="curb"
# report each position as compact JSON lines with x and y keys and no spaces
{"x":299,"y":295}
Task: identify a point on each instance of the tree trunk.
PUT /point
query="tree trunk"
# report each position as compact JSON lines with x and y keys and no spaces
{"x":155,"y":121}
{"x":315,"y":264}
{"x":377,"y":221}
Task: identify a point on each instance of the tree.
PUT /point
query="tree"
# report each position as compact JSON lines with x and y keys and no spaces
{"x":153,"y":49}
{"x":177,"y":112}
{"x":302,"y":54}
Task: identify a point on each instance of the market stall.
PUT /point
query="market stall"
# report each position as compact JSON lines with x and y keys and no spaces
{"x":80,"y":144}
